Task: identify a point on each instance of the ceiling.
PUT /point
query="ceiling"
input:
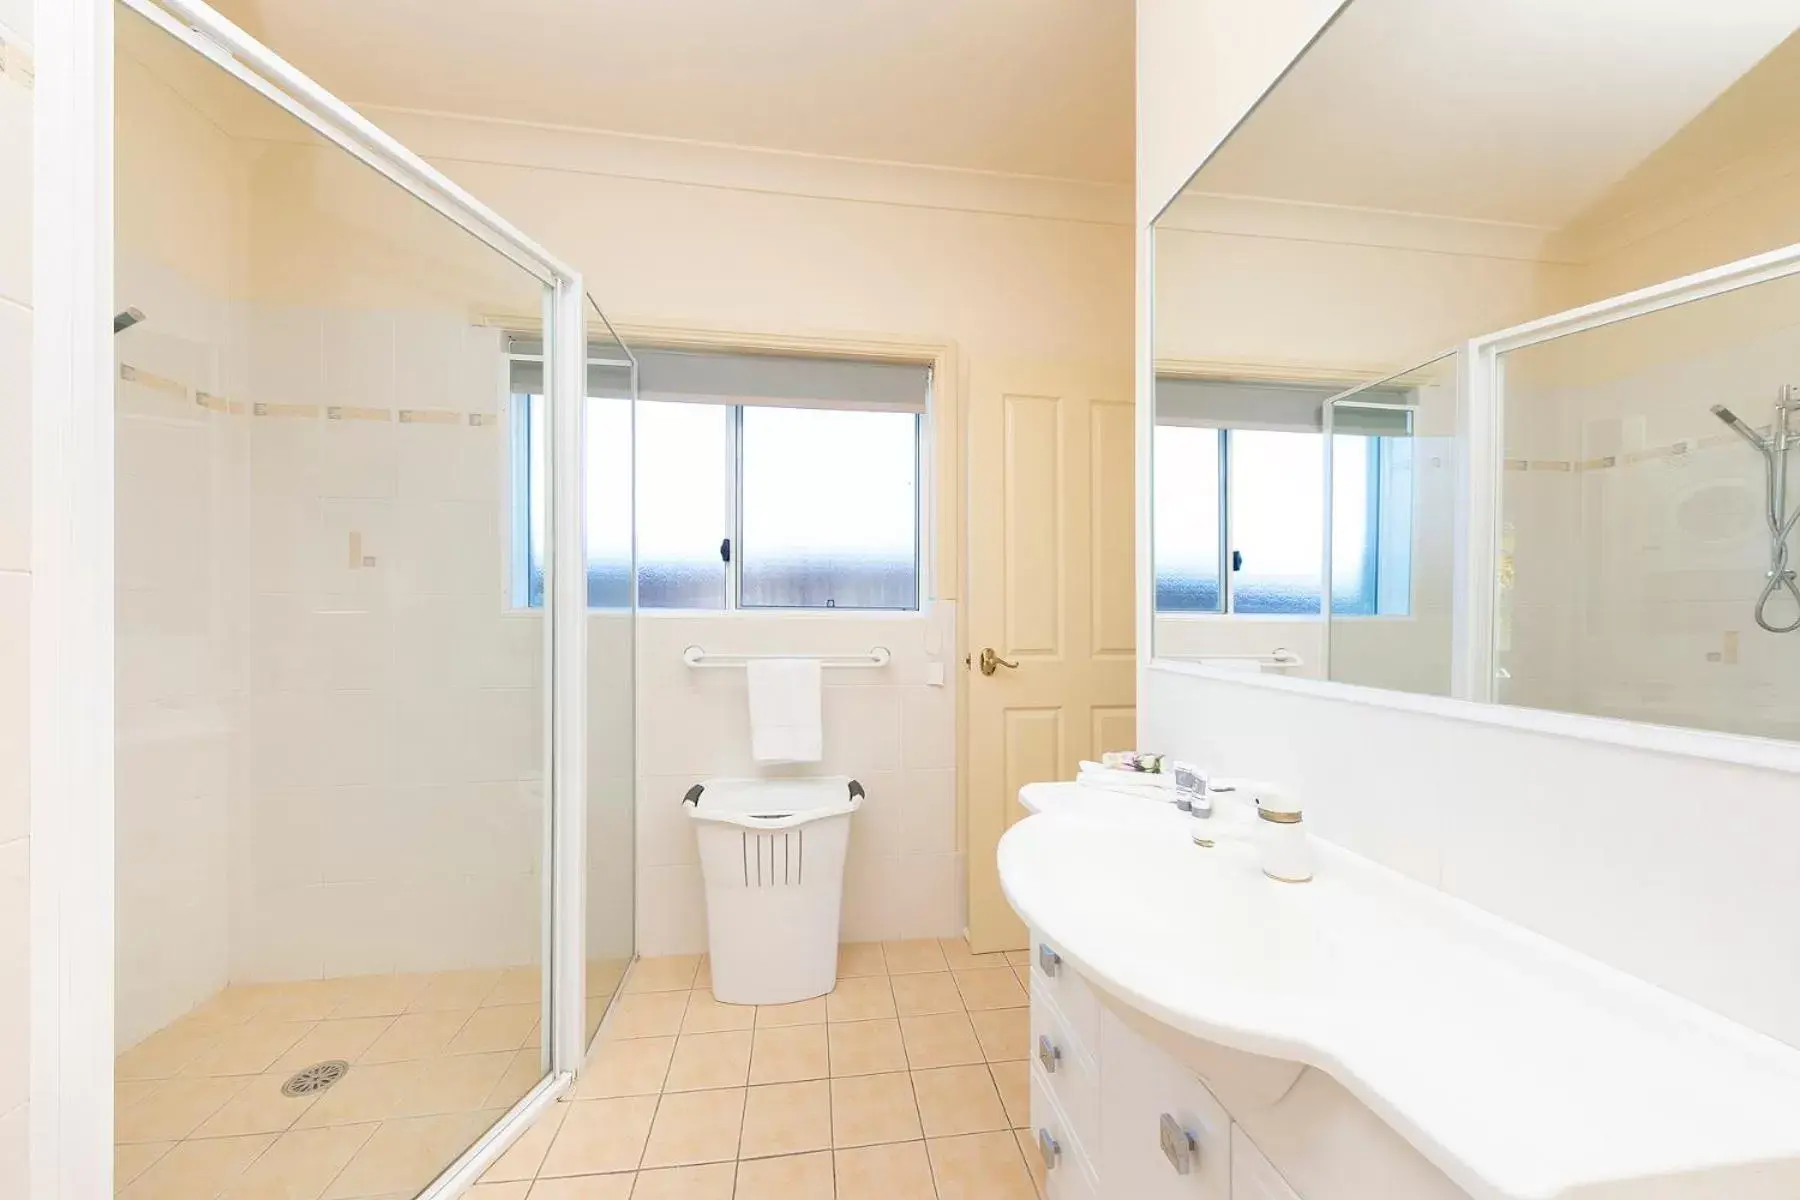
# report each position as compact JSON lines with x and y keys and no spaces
{"x":1525,"y":112}
{"x":1018,"y":86}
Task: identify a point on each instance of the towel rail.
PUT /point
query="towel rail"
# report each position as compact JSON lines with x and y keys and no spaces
{"x":878,"y":656}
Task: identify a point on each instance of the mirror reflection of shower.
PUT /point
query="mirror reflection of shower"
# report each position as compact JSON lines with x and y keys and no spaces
{"x":126,"y":319}
{"x":1774,"y":451}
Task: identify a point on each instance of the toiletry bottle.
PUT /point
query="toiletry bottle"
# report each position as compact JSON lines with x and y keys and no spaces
{"x":1282,"y":837}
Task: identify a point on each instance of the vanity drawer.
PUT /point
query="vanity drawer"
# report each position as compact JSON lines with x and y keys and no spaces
{"x":1163,"y":1135}
{"x":1254,"y":1177}
{"x":1059,"y":1158}
{"x":1066,"y":1065}
{"x":1065,"y":986}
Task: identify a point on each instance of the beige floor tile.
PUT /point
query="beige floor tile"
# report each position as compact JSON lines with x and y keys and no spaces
{"x":703,"y":977}
{"x":786,"y":1118}
{"x":704,"y":1061}
{"x":632,"y":1067}
{"x":584,"y":1187}
{"x":790,"y":1054}
{"x":454,"y":989}
{"x":801,"y":1012}
{"x":991,"y":987}
{"x":131,"y":1161}
{"x":1034,"y":1157}
{"x":248,"y":1049}
{"x":518,"y":985}
{"x":1004,"y":1033}
{"x":1018,"y":959}
{"x":706,"y":1015}
{"x":522,"y":1073}
{"x":860,"y":1000}
{"x":405,"y":1155}
{"x":946,"y":1040}
{"x":347,"y":1039}
{"x":900,"y":1171}
{"x":695,"y":1127}
{"x":671,"y":974}
{"x":301,"y":1165}
{"x":378,"y":995}
{"x":651,"y":1014}
{"x":925,"y":994}
{"x":371,"y":1092}
{"x":711,"y":1181}
{"x":506,"y":1191}
{"x":164,"y":1053}
{"x":856,"y":959}
{"x":523,"y":1158}
{"x":127,"y":1092}
{"x":958,"y":1100}
{"x":914,"y":957}
{"x":605,"y":974}
{"x":202,"y":1167}
{"x":866,"y":1109}
{"x":867,"y":1047}
{"x":234,"y":1005}
{"x":959,"y":957}
{"x":981,"y":1166}
{"x":795,"y":1177}
{"x":598,"y":1136}
{"x":461,"y":1083}
{"x":258,"y":1107}
{"x":175,"y":1109}
{"x":506,"y":1027}
{"x":415,"y":1036}
{"x":1013,"y":1081}
{"x":305,"y":1000}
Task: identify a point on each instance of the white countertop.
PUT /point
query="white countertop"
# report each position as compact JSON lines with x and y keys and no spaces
{"x":1522,"y":1069}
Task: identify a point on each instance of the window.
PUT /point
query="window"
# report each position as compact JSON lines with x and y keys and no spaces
{"x":763,"y":481}
{"x":1238,"y":509}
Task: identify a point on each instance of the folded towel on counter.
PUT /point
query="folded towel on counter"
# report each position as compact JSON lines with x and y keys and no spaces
{"x":1156,"y":779}
{"x":786,"y":719}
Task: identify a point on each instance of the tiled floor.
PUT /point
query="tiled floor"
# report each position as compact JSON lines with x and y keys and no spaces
{"x":435,"y":1059}
{"x":908,"y":1082}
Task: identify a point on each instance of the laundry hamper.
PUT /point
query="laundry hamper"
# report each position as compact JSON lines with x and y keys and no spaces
{"x":772,"y":857}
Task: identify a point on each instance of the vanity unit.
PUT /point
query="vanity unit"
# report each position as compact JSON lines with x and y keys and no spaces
{"x":1202,"y":1032}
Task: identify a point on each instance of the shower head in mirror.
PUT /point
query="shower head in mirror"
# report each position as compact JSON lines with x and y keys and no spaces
{"x":126,"y":319}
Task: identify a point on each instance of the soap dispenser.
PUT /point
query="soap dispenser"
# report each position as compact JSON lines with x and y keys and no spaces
{"x":1282,"y":837}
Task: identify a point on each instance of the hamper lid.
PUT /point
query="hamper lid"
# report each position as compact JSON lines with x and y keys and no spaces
{"x":764,"y":802}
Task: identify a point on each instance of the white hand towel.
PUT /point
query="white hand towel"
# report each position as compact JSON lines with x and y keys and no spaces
{"x":785,"y":703}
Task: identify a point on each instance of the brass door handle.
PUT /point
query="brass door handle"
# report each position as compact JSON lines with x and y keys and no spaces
{"x":990,"y":661}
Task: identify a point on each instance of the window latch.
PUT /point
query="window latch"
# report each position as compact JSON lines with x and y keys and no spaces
{"x":725,"y":550}
{"x":1237,"y":560}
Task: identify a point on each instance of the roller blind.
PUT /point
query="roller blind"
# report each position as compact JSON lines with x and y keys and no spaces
{"x":786,"y":381}
{"x":608,"y":372}
{"x":1224,"y":404}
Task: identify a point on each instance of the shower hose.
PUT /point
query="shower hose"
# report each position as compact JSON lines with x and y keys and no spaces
{"x":1780,"y":574}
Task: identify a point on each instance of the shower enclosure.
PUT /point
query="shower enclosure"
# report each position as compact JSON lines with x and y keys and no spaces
{"x":373,"y":799}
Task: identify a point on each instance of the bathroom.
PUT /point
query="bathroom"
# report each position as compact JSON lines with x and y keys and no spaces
{"x":504,"y":511}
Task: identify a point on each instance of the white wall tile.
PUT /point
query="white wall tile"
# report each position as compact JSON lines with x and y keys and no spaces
{"x":15,"y":705}
{"x":15,"y":193}
{"x":671,"y":911}
{"x":15,"y":990}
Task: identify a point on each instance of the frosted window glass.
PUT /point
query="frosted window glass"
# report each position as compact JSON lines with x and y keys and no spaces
{"x":683,"y":473}
{"x":1277,"y":520}
{"x":830,"y":509}
{"x":1185,"y":532}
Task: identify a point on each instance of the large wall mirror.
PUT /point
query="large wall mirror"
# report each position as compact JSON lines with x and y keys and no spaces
{"x":1428,"y":172}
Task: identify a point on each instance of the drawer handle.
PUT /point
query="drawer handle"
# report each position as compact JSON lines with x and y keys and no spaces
{"x":1049,"y":1148}
{"x":1050,"y":1054}
{"x":1179,"y":1146}
{"x":1048,"y":959}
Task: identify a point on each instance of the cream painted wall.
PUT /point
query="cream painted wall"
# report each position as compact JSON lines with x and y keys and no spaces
{"x":15,"y":590}
{"x":1201,"y":65}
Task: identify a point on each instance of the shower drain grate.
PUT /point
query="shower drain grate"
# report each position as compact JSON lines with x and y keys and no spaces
{"x":310,"y":1081}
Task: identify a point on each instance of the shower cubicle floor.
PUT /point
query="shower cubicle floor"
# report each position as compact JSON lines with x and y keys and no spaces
{"x":433,"y":1059}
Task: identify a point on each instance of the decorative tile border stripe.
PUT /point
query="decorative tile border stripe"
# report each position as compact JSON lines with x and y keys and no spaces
{"x":430,"y":416}
{"x":1607,"y":462}
{"x":302,"y":411}
{"x":342,"y":412}
{"x":16,"y":62}
{"x":160,"y":383}
{"x":212,"y":403}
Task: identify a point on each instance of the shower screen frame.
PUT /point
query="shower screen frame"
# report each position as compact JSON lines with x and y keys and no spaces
{"x":73,"y":929}
{"x":1481,"y":371}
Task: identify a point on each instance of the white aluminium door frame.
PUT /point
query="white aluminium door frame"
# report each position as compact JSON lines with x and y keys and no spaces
{"x":73,"y":930}
{"x":1482,"y":383}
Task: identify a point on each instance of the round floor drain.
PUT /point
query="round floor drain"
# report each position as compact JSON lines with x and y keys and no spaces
{"x":310,"y":1081}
